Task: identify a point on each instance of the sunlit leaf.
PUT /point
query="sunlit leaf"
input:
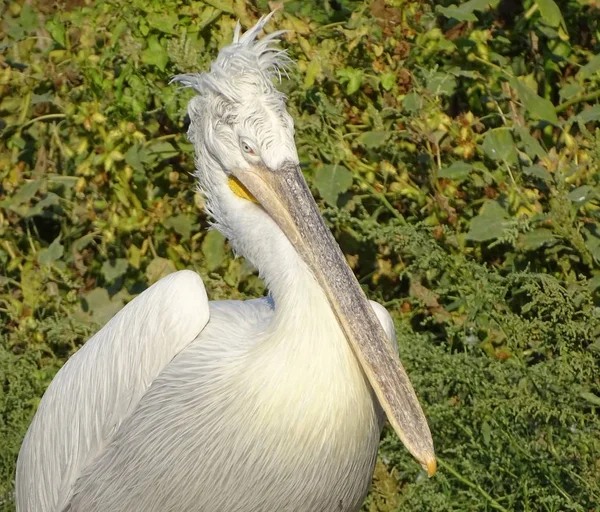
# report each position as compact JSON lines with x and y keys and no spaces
{"x":331,"y":181}
{"x":155,"y":54}
{"x":57,"y":31}
{"x":591,"y":398}
{"x":550,"y":12}
{"x":353,"y":79}
{"x":163,"y":21}
{"x":54,"y":251}
{"x":387,"y":81}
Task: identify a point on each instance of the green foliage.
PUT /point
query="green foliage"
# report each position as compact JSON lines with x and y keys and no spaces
{"x":454,"y":147}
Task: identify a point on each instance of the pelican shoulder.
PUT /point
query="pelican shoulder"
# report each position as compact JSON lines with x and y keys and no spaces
{"x":101,"y":385}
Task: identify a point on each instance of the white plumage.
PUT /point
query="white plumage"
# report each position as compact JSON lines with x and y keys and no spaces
{"x":180,"y":404}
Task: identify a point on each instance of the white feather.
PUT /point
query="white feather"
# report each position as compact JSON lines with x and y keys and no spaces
{"x":102,"y":384}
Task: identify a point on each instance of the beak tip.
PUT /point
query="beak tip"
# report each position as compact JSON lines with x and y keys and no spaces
{"x":430,"y":466}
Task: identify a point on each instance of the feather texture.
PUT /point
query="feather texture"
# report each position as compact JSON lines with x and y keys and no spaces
{"x":101,"y":385}
{"x":245,"y":59}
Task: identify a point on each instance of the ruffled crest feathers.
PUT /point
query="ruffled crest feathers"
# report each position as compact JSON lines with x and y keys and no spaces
{"x":245,"y":55}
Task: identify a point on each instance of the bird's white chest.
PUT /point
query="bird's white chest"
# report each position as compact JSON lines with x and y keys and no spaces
{"x":248,"y":422}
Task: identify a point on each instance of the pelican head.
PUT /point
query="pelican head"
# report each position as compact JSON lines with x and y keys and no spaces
{"x":247,"y":166}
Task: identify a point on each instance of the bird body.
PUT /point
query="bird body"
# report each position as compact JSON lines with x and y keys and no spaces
{"x":273,"y":398}
{"x":181,"y":404}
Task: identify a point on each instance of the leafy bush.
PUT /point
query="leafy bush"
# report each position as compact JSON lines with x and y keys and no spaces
{"x":455,"y":152}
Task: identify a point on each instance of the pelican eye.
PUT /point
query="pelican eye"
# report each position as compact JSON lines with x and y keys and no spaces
{"x":247,"y":148}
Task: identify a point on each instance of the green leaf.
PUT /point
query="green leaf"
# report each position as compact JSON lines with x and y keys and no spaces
{"x":592,"y":243}
{"x":489,"y":224}
{"x":312,"y":71}
{"x":441,"y":84}
{"x":182,"y":224}
{"x":387,"y":81}
{"x":137,"y":156}
{"x":51,"y":199}
{"x":456,"y":171}
{"x":222,"y":5}
{"x":57,"y":31}
{"x":163,"y":148}
{"x":22,"y":195}
{"x":581,"y":194}
{"x":538,"y":172}
{"x":536,"y":106}
{"x":464,"y":11}
{"x":31,"y":285}
{"x":353,"y":79}
{"x":486,"y":432}
{"x":570,"y":90}
{"x":373,"y":139}
{"x":531,"y":145}
{"x":100,"y":306}
{"x":591,"y":398}
{"x":155,"y":54}
{"x":112,"y":270}
{"x":412,"y":102}
{"x":550,"y":12}
{"x":159,"y":268}
{"x":213,"y":249}
{"x":54,"y":251}
{"x":535,"y":239}
{"x":331,"y":181}
{"x":591,"y":68}
{"x":163,"y":21}
{"x":499,"y":145}
{"x":589,"y":114}
{"x":28,"y":18}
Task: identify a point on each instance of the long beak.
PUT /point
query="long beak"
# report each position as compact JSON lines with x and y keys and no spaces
{"x":285,"y":196}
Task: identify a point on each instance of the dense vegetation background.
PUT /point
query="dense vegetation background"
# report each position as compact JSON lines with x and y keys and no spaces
{"x":454,"y":150}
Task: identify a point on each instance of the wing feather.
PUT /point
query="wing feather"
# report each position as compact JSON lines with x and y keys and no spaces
{"x":100,"y":386}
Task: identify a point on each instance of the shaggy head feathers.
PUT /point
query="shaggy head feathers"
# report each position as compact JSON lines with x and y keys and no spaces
{"x":245,"y":64}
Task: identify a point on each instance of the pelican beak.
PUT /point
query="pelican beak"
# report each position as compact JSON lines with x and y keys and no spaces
{"x":285,"y":196}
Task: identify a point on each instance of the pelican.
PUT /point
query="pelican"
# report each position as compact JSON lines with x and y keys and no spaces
{"x":271,"y":404}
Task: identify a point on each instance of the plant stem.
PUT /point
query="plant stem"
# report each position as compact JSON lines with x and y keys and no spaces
{"x":470,"y":484}
{"x":580,"y":99}
{"x":383,"y":199}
